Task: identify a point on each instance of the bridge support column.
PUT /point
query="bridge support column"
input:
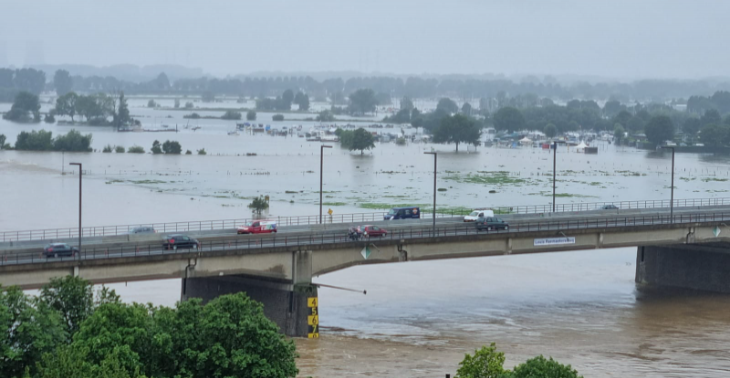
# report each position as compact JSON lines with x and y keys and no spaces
{"x":288,"y":304}
{"x":697,"y":267}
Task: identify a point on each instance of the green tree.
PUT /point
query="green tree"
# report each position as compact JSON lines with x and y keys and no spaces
{"x":172,"y":147}
{"x":258,"y":205}
{"x":277,"y":117}
{"x":715,"y":135}
{"x":711,"y":116}
{"x":207,"y":96}
{"x":287,"y":98}
{"x":457,"y":129}
{"x":202,"y":151}
{"x":30,"y":80}
{"x":73,"y":141}
{"x":466,"y":109}
{"x":66,"y":105}
{"x":302,"y":100}
{"x":2,"y":141}
{"x":618,"y":133}
{"x":49,"y":117}
{"x":26,"y":108}
{"x":509,"y":119}
{"x":72,"y":297}
{"x":540,"y":367}
{"x":231,"y":115}
{"x":251,"y":115}
{"x":29,"y":329}
{"x":325,"y":116}
{"x":362,"y":101}
{"x":177,"y":103}
{"x":137,"y":149}
{"x":40,"y":140}
{"x":151,"y":104}
{"x":122,"y":118}
{"x":407,"y":104}
{"x":156,"y":147}
{"x":119,"y":149}
{"x":62,"y":82}
{"x":550,"y":130}
{"x":486,"y":362}
{"x":659,"y":129}
{"x":361,"y":140}
{"x":447,"y":105}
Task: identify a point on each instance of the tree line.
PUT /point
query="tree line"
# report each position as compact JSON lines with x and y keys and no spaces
{"x":68,"y":331}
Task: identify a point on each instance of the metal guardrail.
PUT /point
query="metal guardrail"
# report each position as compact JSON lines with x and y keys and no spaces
{"x":253,"y":243}
{"x":210,"y":225}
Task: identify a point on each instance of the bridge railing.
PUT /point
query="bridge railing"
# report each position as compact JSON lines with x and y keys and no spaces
{"x":251,"y":242}
{"x":223,"y":224}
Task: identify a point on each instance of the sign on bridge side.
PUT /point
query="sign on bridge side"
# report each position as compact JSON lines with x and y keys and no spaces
{"x":555,"y":241}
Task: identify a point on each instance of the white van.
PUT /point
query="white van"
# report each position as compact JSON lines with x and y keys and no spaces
{"x":478,"y":213}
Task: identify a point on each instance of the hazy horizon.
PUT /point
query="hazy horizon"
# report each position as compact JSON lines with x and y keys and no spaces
{"x":621,"y":40}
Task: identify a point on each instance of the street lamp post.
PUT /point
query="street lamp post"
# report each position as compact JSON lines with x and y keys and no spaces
{"x":321,"y":166}
{"x":555,"y":154}
{"x":671,"y":200}
{"x":80,"y":174}
{"x":435,"y":155}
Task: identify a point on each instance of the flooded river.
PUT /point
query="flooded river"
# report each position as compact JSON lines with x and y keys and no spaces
{"x":418,"y":318}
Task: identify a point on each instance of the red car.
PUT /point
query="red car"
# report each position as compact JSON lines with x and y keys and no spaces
{"x":368,"y":231}
{"x":257,"y":227}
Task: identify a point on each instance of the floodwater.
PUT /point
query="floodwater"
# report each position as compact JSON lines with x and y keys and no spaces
{"x":418,"y":319}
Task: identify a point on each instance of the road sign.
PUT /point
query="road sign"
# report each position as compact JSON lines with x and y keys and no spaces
{"x":365,"y":252}
{"x":330,"y":211}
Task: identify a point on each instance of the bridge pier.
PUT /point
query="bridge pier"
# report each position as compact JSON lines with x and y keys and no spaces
{"x":699,"y":267}
{"x":289,"y":304}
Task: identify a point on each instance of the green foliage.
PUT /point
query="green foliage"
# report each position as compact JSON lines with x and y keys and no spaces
{"x":715,"y":135}
{"x":509,"y":119}
{"x":251,"y":115}
{"x":29,"y":329}
{"x":361,"y":140}
{"x":119,"y":149}
{"x":95,"y":108}
{"x":618,"y":133}
{"x":202,"y":151}
{"x":49,"y":117}
{"x":550,"y":130}
{"x":447,"y":105}
{"x":277,"y":117}
{"x":362,"y":101}
{"x":540,"y":367}
{"x":406,"y":103}
{"x":188,"y":152}
{"x":258,"y":205}
{"x":156,"y":148}
{"x":2,"y":141}
{"x":302,"y":100}
{"x":207,"y":96}
{"x":66,"y":105}
{"x":26,"y":108}
{"x":401,"y":141}
{"x":325,"y":116}
{"x":457,"y":129}
{"x":189,"y":105}
{"x":40,"y":140}
{"x":72,"y":297}
{"x":659,"y":129}
{"x":177,"y":103}
{"x":121,"y":117}
{"x":486,"y":362}
{"x":62,"y":82}
{"x":136,"y":149}
{"x":151,"y":104}
{"x":403,"y":116}
{"x":232,"y":115}
{"x":73,"y":141}
{"x":172,"y":147}
{"x":107,"y":149}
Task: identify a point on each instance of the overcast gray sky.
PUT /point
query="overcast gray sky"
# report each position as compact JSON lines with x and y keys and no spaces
{"x":615,"y":38}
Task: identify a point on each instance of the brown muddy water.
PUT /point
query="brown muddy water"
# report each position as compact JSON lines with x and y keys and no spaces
{"x":418,"y":319}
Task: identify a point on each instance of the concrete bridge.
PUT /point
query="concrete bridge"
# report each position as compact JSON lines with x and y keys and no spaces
{"x":686,"y":250}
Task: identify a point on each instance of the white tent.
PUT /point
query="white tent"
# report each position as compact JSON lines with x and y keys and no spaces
{"x":525,"y":140}
{"x":581,"y":147}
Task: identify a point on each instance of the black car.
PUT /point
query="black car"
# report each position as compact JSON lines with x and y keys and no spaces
{"x":609,"y":207}
{"x":180,"y":241}
{"x":491,"y":223}
{"x":59,"y":249}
